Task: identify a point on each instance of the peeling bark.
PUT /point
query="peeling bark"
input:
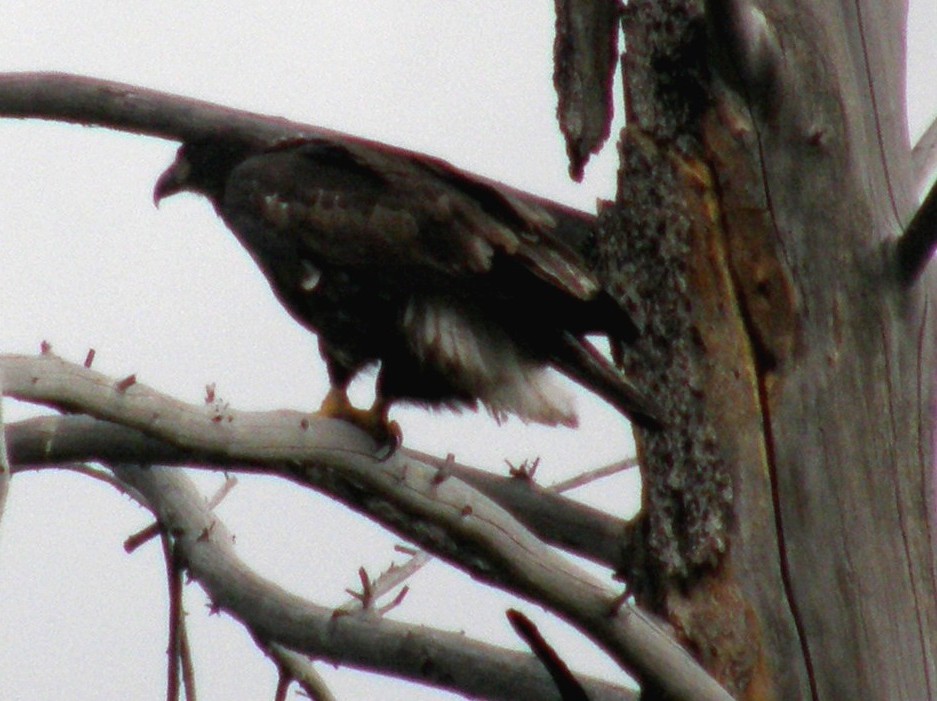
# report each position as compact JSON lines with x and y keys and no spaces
{"x":585,"y":57}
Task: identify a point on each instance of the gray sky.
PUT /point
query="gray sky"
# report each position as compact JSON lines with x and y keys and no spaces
{"x":168,"y":294}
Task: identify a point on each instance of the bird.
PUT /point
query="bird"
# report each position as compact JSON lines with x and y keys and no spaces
{"x":461,"y":290}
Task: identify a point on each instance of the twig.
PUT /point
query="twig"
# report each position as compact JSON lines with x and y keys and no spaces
{"x":594,"y":475}
{"x":387,"y":581}
{"x":916,"y":245}
{"x":80,"y":468}
{"x":571,"y":525}
{"x":178,"y":651}
{"x":569,"y":687}
{"x":300,"y":669}
{"x":284,"y":679}
{"x":174,"y":579}
{"x":366,"y":598}
{"x":188,"y":668}
{"x":144,"y":535}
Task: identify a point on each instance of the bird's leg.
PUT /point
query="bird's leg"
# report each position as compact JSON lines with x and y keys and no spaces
{"x":336,"y":404}
{"x":373,"y":421}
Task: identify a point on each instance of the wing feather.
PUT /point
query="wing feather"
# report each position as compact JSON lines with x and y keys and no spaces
{"x":360,"y":206}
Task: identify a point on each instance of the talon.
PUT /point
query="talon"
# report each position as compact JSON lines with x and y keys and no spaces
{"x":373,"y":421}
{"x":392,"y":441}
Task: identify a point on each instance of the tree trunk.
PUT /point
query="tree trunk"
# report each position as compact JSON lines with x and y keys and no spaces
{"x":766,"y":175}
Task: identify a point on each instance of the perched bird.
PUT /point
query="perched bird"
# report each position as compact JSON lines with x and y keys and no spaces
{"x":463,"y":290}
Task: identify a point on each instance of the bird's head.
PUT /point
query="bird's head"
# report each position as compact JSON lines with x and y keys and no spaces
{"x":202,"y":167}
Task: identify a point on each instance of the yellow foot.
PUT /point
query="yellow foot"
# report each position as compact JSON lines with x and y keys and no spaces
{"x":373,"y":421}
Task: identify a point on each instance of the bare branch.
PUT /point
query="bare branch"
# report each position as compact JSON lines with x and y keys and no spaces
{"x":176,"y":619}
{"x":94,"y":102}
{"x":81,"y":468}
{"x":587,"y":532}
{"x":146,"y":534}
{"x":569,"y":687}
{"x":386,"y":582}
{"x":580,"y":529}
{"x":273,"y":615}
{"x":283,"y":685}
{"x":450,"y":519}
{"x":301,"y":670}
{"x":188,"y":667}
{"x":594,"y":475}
{"x":81,"y":100}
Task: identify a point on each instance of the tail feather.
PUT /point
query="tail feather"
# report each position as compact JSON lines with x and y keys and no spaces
{"x":583,"y":362}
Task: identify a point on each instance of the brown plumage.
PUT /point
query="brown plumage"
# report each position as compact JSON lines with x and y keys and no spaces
{"x":463,"y":290}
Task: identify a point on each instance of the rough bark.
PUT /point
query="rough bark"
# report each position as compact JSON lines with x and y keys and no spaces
{"x":766,"y":175}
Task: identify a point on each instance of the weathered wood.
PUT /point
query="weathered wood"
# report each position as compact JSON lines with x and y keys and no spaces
{"x":585,"y":59}
{"x":765,"y":177}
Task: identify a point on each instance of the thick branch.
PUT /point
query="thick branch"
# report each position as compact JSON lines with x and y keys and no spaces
{"x":563,"y":522}
{"x":445,"y":516}
{"x":105,"y":103}
{"x":89,"y":101}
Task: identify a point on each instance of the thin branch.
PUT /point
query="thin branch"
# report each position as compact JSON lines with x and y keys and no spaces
{"x":144,"y":535}
{"x":283,"y":685}
{"x":385,"y":583}
{"x":176,"y":619}
{"x":569,"y":687}
{"x":80,"y":468}
{"x":594,"y":475}
{"x":448,"y":518}
{"x":568,"y":524}
{"x":188,"y":666}
{"x":916,"y":245}
{"x":301,"y":670}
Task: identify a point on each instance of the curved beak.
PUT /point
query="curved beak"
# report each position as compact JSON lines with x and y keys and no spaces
{"x":174,"y":179}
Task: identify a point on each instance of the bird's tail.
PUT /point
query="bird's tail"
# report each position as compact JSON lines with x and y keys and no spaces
{"x":583,"y":362}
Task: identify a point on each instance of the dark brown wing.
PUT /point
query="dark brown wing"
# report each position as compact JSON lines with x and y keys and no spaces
{"x":354,"y":206}
{"x":548,"y":232}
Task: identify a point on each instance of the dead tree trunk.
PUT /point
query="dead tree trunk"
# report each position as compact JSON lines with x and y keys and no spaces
{"x":766,"y":179}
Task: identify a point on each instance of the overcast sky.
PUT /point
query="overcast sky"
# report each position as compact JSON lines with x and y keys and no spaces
{"x":168,"y":294}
